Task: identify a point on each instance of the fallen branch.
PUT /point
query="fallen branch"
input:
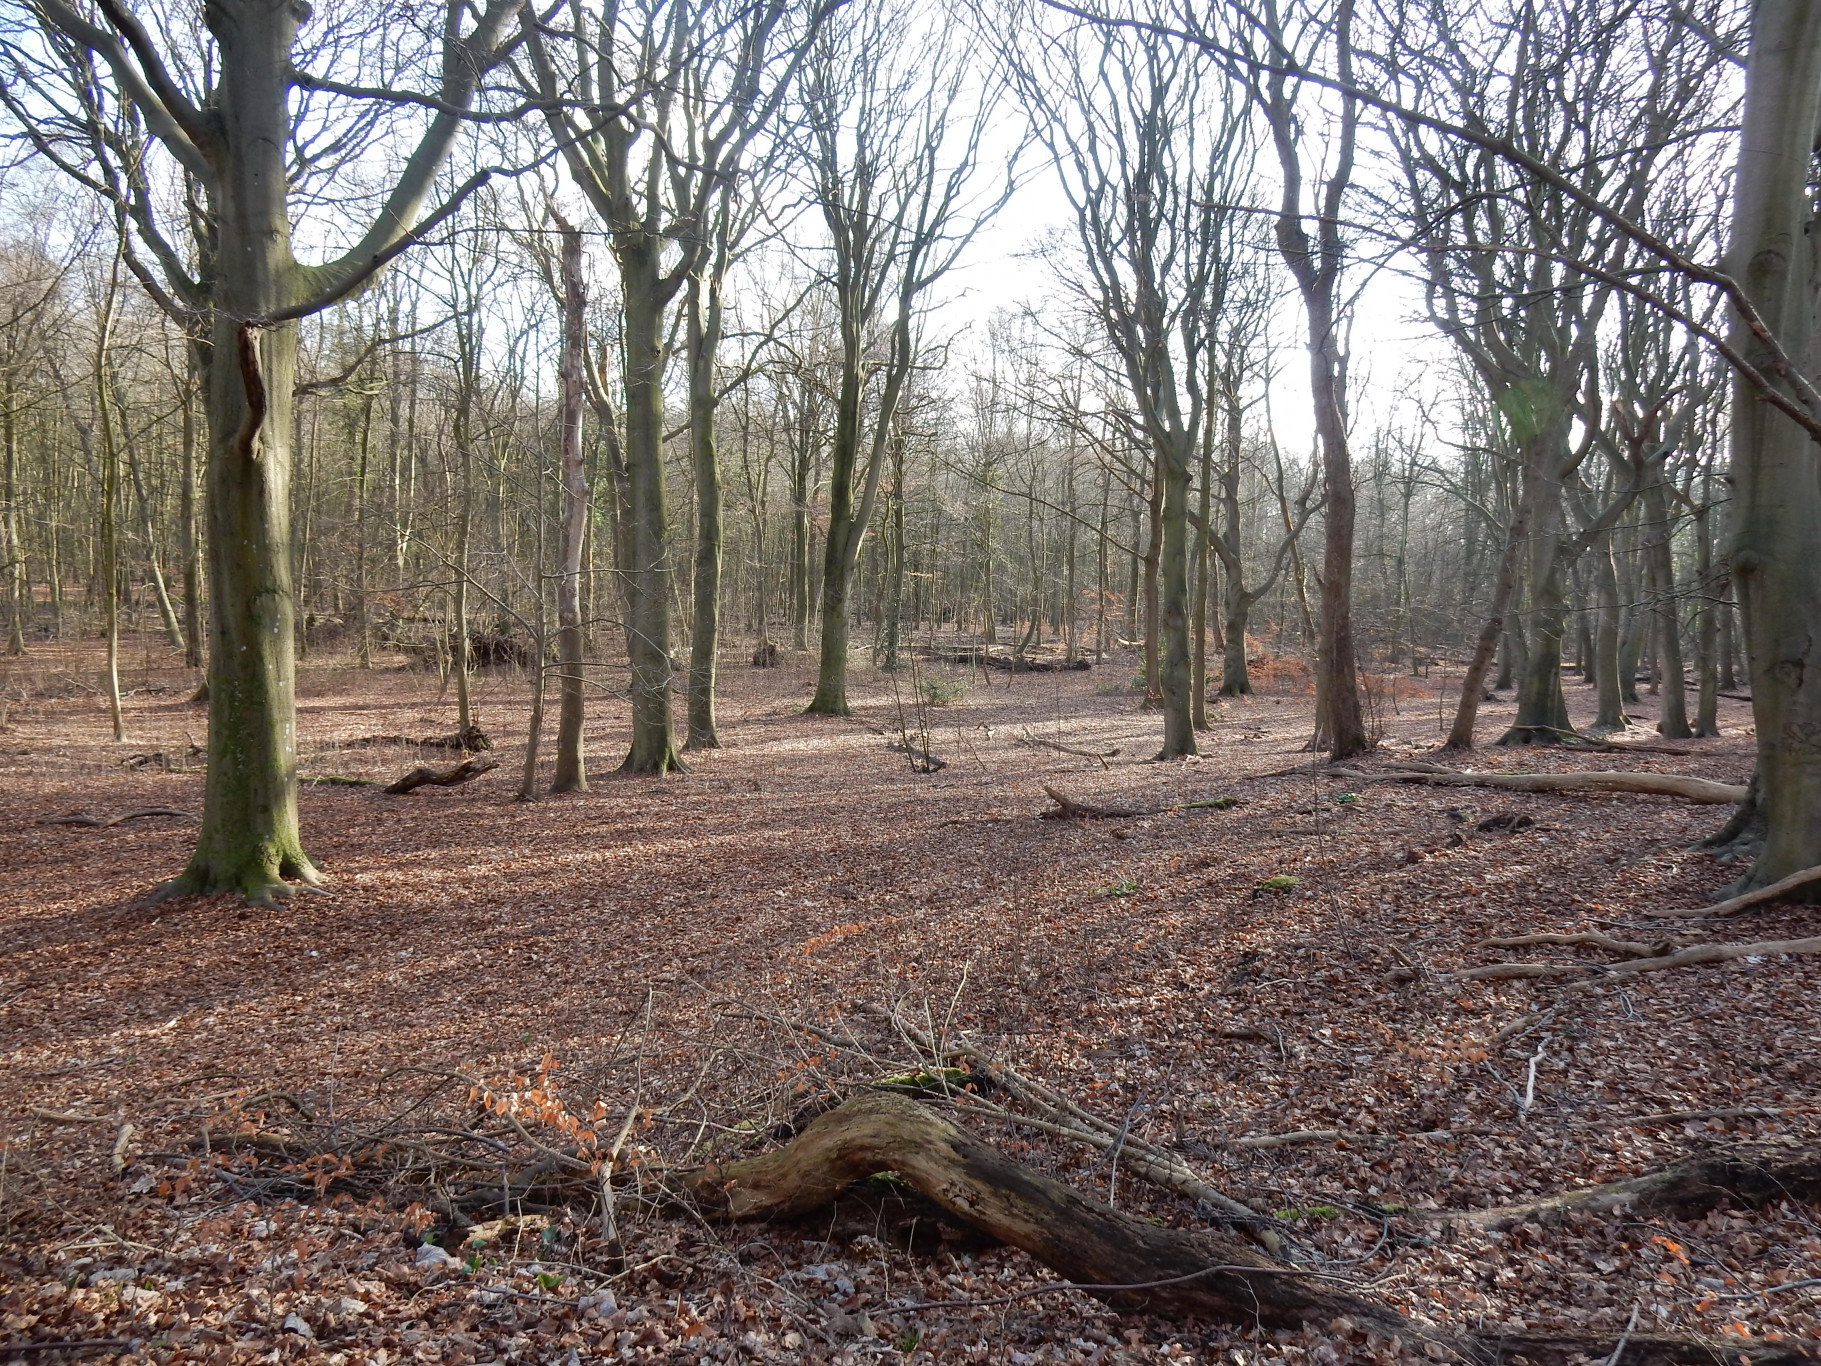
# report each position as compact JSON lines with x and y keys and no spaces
{"x":463,"y":772}
{"x":1700,"y":790}
{"x":1038,"y":743}
{"x":1745,"y":901}
{"x":83,"y":818}
{"x":1643,"y":957}
{"x":67,"y":1116}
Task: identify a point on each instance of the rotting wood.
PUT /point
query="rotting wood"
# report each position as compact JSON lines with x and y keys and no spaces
{"x":1038,"y":742}
{"x":84,"y":819}
{"x":1067,"y":808}
{"x":1744,"y":902}
{"x":66,"y":1116}
{"x":465,"y":771}
{"x":1699,"y":790}
{"x":1750,"y":1174}
{"x":1061,"y":1116}
{"x":1130,"y":1263}
{"x":472,"y":740}
{"x":1084,"y":1240}
{"x":922,"y":761}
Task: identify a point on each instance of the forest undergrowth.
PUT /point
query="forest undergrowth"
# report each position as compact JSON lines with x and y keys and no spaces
{"x":440,"y":1115}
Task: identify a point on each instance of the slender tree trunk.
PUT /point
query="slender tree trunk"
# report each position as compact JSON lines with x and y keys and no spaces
{"x":1173,"y":606}
{"x":1199,"y":685}
{"x":173,"y":633}
{"x":1606,"y":681}
{"x":1153,"y":556}
{"x":186,"y":524}
{"x":1777,"y":499}
{"x":894,"y":595}
{"x":1674,"y":719}
{"x":703,"y":306}
{"x":110,"y":502}
{"x":1707,"y":623}
{"x":12,"y":545}
{"x":570,"y":773}
{"x":1504,"y":593}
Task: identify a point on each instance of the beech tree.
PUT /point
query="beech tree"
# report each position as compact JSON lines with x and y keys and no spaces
{"x":97,"y":95}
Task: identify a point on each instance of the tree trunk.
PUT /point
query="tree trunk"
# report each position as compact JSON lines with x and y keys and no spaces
{"x":1173,"y":607}
{"x":12,"y":547}
{"x":647,"y":570}
{"x":570,"y":773}
{"x":1777,"y":499}
{"x":1707,"y":622}
{"x":1542,"y":712}
{"x":703,"y":327}
{"x":1198,"y":687}
{"x":1153,"y":555}
{"x":1674,"y":719}
{"x":186,"y":521}
{"x":1606,"y":680}
{"x":250,"y":841}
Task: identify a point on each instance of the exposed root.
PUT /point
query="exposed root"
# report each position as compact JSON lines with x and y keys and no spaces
{"x":1641,"y":957}
{"x":83,"y":818}
{"x":1733,"y":905}
{"x":1586,"y":939}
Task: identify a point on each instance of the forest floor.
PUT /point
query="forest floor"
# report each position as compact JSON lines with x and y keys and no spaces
{"x":628,"y":952}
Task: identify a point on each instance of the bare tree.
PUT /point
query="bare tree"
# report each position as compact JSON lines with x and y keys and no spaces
{"x":94,"y":95}
{"x":894,"y":153}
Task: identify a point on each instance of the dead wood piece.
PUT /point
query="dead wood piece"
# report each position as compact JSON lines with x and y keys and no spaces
{"x":471,"y":739}
{"x":83,"y":818}
{"x":1037,"y":742}
{"x":1749,"y":1174}
{"x":1745,"y":901}
{"x":66,"y":1116}
{"x":463,"y":772}
{"x":1210,"y":1276}
{"x":1133,"y":1265}
{"x":921,"y":759}
{"x":117,"y":1158}
{"x":1067,"y":808}
{"x":1699,"y":790}
{"x":1290,"y":1140}
{"x":1720,"y":953}
{"x":1586,"y":939}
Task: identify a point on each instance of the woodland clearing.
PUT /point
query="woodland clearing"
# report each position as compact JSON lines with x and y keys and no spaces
{"x":1261,"y":994}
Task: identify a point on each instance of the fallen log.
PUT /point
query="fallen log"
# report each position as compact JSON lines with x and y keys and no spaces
{"x":1745,"y":901}
{"x":1126,"y":1261}
{"x":1068,"y":809}
{"x":1700,"y":790}
{"x":1749,"y":1174}
{"x":472,"y":739}
{"x":922,"y":761}
{"x":1184,"y":1274}
{"x":465,"y":771}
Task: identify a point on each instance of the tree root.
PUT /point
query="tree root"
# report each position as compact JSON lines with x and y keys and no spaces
{"x":1641,"y":957}
{"x":83,"y":818}
{"x":1700,"y":790}
{"x":463,"y":772}
{"x":1733,"y":905}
